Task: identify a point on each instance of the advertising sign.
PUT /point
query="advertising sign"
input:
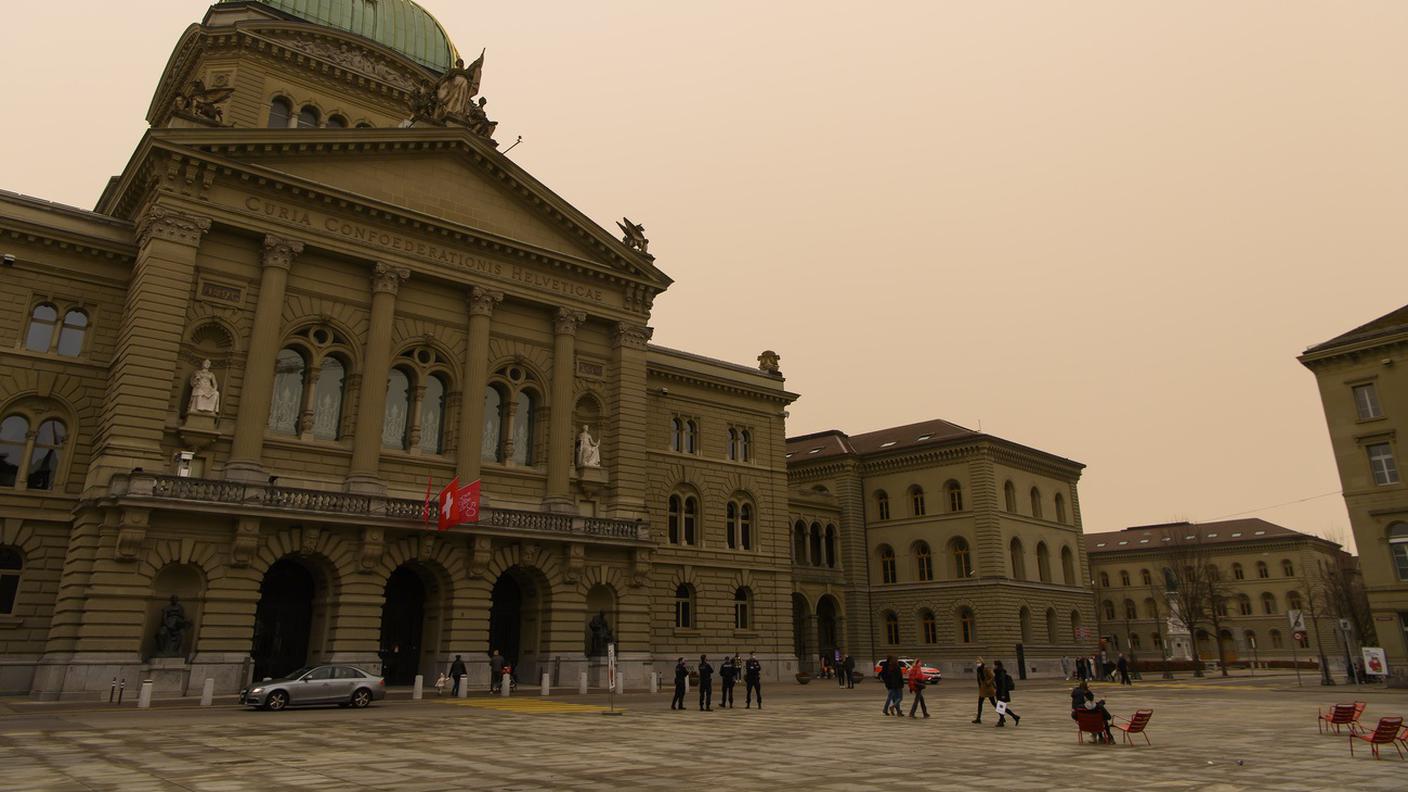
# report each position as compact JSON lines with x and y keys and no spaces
{"x":1297,"y":620}
{"x":1374,"y":661}
{"x":611,"y":667}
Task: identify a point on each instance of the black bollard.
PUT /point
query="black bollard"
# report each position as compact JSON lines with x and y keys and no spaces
{"x":121,"y":686}
{"x":112,"y":691}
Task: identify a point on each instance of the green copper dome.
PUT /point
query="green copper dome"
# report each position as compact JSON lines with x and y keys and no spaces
{"x":400,"y":25}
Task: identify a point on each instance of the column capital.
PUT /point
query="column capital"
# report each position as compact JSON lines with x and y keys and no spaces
{"x":387,"y":278}
{"x":632,"y":336}
{"x":160,"y":222}
{"x":279,"y":252}
{"x":482,"y":301}
{"x":567,"y":321}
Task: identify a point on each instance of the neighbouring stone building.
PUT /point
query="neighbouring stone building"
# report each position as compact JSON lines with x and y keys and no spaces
{"x":385,"y":302}
{"x":947,"y":544}
{"x":1264,"y":571}
{"x":1364,"y":389}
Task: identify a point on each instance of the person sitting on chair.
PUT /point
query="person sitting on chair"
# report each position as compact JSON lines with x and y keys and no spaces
{"x":1083,"y":699}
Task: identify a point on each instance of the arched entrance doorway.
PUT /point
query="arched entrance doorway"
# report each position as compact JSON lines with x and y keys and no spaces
{"x":827,"y":623}
{"x":517,"y":609}
{"x":801,"y":638}
{"x":402,"y":627}
{"x":283,"y":619}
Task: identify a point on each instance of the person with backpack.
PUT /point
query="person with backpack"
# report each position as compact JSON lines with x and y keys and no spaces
{"x":916,"y":686}
{"x":1003,"y":685}
{"x":986,"y":688}
{"x":892,"y":674}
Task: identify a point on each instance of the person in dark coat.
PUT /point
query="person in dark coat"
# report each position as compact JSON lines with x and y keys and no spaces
{"x":849,"y":667}
{"x":986,"y":688}
{"x":1123,"y":665}
{"x":1083,"y":698}
{"x":1003,"y":684}
{"x":681,"y":680}
{"x":457,"y":670}
{"x":496,"y":671}
{"x":706,"y":685}
{"x":728,"y":672}
{"x":892,"y":674}
{"x":752,"y":681}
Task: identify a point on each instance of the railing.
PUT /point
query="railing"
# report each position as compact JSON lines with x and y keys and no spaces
{"x":198,"y":490}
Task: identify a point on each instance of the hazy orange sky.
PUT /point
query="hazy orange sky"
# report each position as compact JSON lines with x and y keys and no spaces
{"x":1104,"y":229}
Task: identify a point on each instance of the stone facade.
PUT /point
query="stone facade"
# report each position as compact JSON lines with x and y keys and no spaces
{"x":1364,"y":390}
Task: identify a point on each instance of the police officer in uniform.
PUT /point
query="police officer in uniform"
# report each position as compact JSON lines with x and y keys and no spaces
{"x":728,"y":671}
{"x":753,"y":680}
{"x":681,"y":679}
{"x":706,"y":685}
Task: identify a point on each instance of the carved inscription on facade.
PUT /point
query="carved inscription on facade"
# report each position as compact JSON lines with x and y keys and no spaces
{"x":211,"y":291}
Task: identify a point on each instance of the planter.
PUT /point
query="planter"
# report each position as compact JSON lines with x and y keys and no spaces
{"x":803,"y":677}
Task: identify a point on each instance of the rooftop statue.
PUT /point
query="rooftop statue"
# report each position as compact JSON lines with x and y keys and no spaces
{"x":454,"y":94}
{"x":634,"y":235}
{"x":202,"y":102}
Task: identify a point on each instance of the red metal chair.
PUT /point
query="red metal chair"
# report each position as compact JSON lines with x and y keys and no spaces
{"x":1339,"y":715}
{"x":1385,"y":734}
{"x":1358,"y":711}
{"x":1089,"y":722}
{"x":1135,"y":725}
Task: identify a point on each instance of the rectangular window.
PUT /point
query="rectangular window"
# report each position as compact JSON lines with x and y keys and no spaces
{"x":1382,"y":465}
{"x":1366,"y":402}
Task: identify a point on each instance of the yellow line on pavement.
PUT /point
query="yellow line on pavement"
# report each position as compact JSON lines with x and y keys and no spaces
{"x":525,"y":705}
{"x":1187,"y":686}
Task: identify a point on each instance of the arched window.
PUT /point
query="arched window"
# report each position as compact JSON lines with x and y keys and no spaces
{"x":1036,"y":503}
{"x":42,"y":321}
{"x":742,"y":609}
{"x":285,"y":408}
{"x":1019,"y":563}
{"x":684,"y":606}
{"x":1249,"y":638}
{"x":967,"y":626}
{"x":831,"y":546}
{"x":337,"y":122}
{"x":1124,"y":577}
{"x":45,"y":458}
{"x":280,"y":113}
{"x":395,"y":422}
{"x":1060,"y":508}
{"x":1130,"y":612}
{"x":954,"y":491}
{"x":733,"y":444}
{"x":525,"y":428}
{"x":1104,"y":580}
{"x":745,"y":446}
{"x":1009,"y":497}
{"x":1109,"y":608}
{"x":1276,"y":642}
{"x":887,"y":564}
{"x":1145,"y":577}
{"x":731,"y":517}
{"x":740,"y":524}
{"x":923,"y":561}
{"x":928,"y":627}
{"x":432,"y":416}
{"x":1237,"y":573}
{"x":1244,"y":604}
{"x":815,"y":535}
{"x":1261,"y":570}
{"x":916,"y":500}
{"x":892,"y":628}
{"x":363,"y":125}
{"x":962,"y":558}
{"x":1075,"y":622}
{"x":1293,"y":600}
{"x":11,"y":567}
{"x":14,"y":436}
{"x":882,"y":504}
{"x":691,"y":520}
{"x":309,"y":117}
{"x":1268,"y":603}
{"x":1053,"y":635}
{"x":1068,"y":566}
{"x":675,"y":518}
{"x":1133,"y":641}
{"x":691,"y":437}
{"x":677,"y":434}
{"x":1398,"y":548}
{"x":493,"y":438}
{"x":1024,"y":624}
{"x":327,"y":399}
{"x":1043,"y":562}
{"x":799,"y":542}
{"x":1287,"y":568}
{"x":1151,"y":608}
{"x":71,"y":335}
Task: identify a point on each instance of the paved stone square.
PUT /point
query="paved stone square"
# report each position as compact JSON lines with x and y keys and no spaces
{"x":815,"y":737}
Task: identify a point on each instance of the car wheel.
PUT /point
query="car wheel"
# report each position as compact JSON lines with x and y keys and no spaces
{"x":276,"y":701}
{"x":361,"y":698}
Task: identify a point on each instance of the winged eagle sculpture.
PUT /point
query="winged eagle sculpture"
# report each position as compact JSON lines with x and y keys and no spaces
{"x":634,"y":235}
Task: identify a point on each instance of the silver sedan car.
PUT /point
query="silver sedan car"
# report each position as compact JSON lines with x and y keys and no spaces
{"x":345,"y":686}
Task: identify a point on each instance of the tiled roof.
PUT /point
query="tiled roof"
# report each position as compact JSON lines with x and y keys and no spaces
{"x":1388,"y":324}
{"x":835,"y":443}
{"x":1219,"y":532}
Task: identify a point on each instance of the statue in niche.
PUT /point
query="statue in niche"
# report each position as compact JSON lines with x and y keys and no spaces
{"x":170,"y":635}
{"x":634,"y":235}
{"x":600,"y":635}
{"x":588,"y":450}
{"x":205,"y":391}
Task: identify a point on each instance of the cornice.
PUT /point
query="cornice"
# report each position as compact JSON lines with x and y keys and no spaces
{"x":1353,"y":351}
{"x":1260,"y":545}
{"x":960,"y":449}
{"x":49,"y":237}
{"x":719,"y":384}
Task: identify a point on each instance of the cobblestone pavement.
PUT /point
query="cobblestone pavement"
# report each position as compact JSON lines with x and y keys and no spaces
{"x":1217,"y":735}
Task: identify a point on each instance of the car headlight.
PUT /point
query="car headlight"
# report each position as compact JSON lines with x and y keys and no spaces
{"x":256,"y":691}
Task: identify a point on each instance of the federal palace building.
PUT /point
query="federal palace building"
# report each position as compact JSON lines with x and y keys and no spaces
{"x":318,"y":289}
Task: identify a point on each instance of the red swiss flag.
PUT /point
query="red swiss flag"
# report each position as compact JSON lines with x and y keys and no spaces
{"x":458,"y":504}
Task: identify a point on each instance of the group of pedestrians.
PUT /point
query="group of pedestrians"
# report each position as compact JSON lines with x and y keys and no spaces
{"x":729,"y":671}
{"x":1098,"y":667}
{"x":840,"y":665}
{"x":459,"y":674}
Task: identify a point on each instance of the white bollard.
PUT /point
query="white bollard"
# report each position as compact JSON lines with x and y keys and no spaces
{"x":505,"y":685}
{"x":620,"y":682}
{"x":207,"y":692}
{"x":582,"y":683}
{"x":654,"y":681}
{"x":144,"y":699}
{"x":419,"y":690}
{"x":464,"y":686}
{"x":546,"y":685}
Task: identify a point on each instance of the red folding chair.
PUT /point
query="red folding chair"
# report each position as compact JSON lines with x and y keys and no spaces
{"x":1089,"y":722}
{"x":1339,"y":715}
{"x":1358,"y":711}
{"x":1385,"y":734}
{"x":1135,"y":725}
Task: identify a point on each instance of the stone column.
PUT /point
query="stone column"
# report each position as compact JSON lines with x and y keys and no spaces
{"x":625,"y":441}
{"x":247,"y":449}
{"x":468,"y":452}
{"x":564,"y":373}
{"x":376,"y":367}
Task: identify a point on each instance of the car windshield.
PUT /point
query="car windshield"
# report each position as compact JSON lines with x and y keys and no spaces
{"x":300,"y":672}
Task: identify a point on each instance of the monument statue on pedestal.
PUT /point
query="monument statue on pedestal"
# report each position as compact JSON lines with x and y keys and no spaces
{"x":600,"y":635}
{"x":172,"y":630}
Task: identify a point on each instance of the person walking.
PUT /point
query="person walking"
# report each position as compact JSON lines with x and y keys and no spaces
{"x":728,"y":672}
{"x":836,"y":665}
{"x":1066,"y":667}
{"x":986,"y":688}
{"x":496,"y":671}
{"x":752,"y":681}
{"x":1123,"y":665}
{"x":841,"y":674}
{"x":916,"y":686}
{"x":706,"y":685}
{"x":849,"y":667}
{"x":457,"y":672}
{"x":1003,"y":684}
{"x":892,"y":674}
{"x":681,"y":679}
